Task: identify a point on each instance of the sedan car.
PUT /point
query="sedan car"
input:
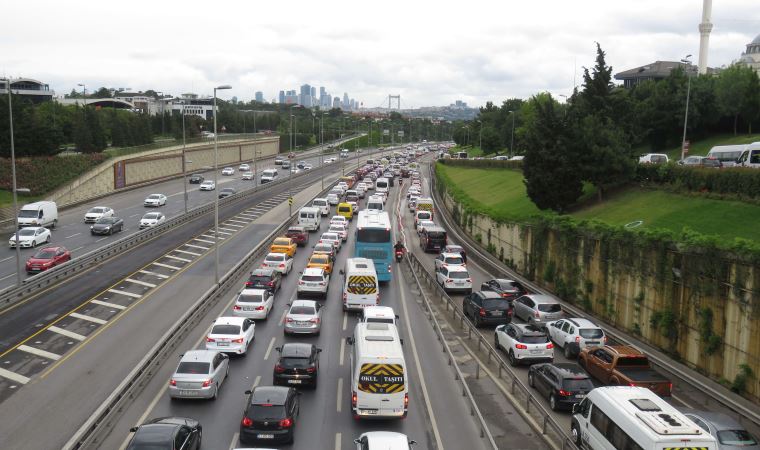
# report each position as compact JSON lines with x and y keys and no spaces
{"x":253,"y":303}
{"x":96,"y":213}
{"x":298,"y":365}
{"x":46,"y":258}
{"x":304,"y":317}
{"x":226,"y":192}
{"x":486,"y":308}
{"x":244,"y":167}
{"x":448,"y":260}
{"x":563,"y":384}
{"x":279,"y":262}
{"x":331,"y":238}
{"x":231,"y":335}
{"x":283,"y":245}
{"x":155,"y":200}
{"x":726,"y":430}
{"x":152,"y":219}
{"x":524,"y":343}
{"x":196,"y":178}
{"x":30,"y":237}
{"x":167,"y":433}
{"x":314,"y":281}
{"x":268,"y":279}
{"x":207,"y":185}
{"x":333,"y":198}
{"x":248,"y":175}
{"x":200,"y":374}
{"x":341,"y":229}
{"x":227,"y":171}
{"x":107,"y":225}
{"x":509,"y":289}
{"x":270,"y":415}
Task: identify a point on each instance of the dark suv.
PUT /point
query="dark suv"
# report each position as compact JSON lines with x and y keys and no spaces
{"x":196,"y":178}
{"x":270,"y":415}
{"x":508,"y":289}
{"x":298,"y":365}
{"x":487,"y":308}
{"x":564,"y":384}
{"x":268,"y":279}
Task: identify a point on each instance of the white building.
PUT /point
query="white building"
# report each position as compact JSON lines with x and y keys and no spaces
{"x":751,"y":56}
{"x":193,"y":105}
{"x":34,"y":90}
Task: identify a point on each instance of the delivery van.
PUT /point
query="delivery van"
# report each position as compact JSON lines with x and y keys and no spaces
{"x":360,"y":285}
{"x":268,"y":175}
{"x":38,"y":214}
{"x":309,"y":218}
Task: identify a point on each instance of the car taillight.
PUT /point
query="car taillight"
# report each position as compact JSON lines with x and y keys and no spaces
{"x":549,"y":345}
{"x":577,"y":339}
{"x":282,"y":265}
{"x":248,"y":283}
{"x":564,"y":393}
{"x":314,"y":320}
{"x":605,"y":340}
{"x":406,"y":400}
{"x":300,"y":282}
{"x":289,"y":320}
{"x":670,"y":387}
{"x":482,"y":312}
{"x":469,"y":280}
{"x":238,"y":341}
{"x":207,"y":383}
{"x":279,"y":369}
{"x":246,"y":422}
{"x":536,"y":314}
{"x":354,"y":399}
{"x":322,"y":283}
{"x":259,"y":308}
{"x":448,"y":280}
{"x":208,"y":339}
{"x":311,"y":369}
{"x":236,"y":308}
{"x":521,"y":346}
{"x":286,"y":423}
{"x":172,"y":382}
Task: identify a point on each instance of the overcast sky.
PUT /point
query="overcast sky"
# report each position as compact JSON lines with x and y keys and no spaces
{"x":429,"y":52}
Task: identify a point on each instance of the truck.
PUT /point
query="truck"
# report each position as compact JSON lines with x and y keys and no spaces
{"x":623,"y":365}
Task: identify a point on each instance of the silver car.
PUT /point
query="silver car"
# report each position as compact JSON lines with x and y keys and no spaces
{"x":304,"y":317}
{"x":200,"y":374}
{"x":537,"y":309}
{"x":253,"y":303}
{"x":729,"y":433}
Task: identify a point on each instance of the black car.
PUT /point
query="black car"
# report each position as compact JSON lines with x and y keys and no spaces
{"x":485,"y":307}
{"x":564,"y":384}
{"x":226,"y":192}
{"x":268,"y":279}
{"x":508,"y":289}
{"x":301,"y":164}
{"x":196,"y":178}
{"x":270,"y":415}
{"x":107,"y":225}
{"x":298,"y":365}
{"x":170,"y":433}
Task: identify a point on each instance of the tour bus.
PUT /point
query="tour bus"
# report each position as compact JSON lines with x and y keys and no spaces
{"x":381,"y":185}
{"x":374,"y":240}
{"x":309,"y":217}
{"x":360,"y":284}
{"x":379,"y":387}
{"x":728,"y":155}
{"x":627,"y":417}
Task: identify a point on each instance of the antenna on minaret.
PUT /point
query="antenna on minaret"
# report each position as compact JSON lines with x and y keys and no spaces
{"x":705,"y":27}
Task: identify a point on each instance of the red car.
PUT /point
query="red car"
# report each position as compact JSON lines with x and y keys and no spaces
{"x":299,"y":235}
{"x":46,"y":258}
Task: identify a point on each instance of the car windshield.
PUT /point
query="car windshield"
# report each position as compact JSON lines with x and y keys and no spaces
{"x":275,"y":258}
{"x":549,"y":307}
{"x":323,"y":248}
{"x":572,"y":384}
{"x":96,"y":210}
{"x":319,"y":259}
{"x":534,"y":339}
{"x":44,"y":254}
{"x":152,"y":216}
{"x":459,"y":275}
{"x":250,"y":298}
{"x":736,"y":437}
{"x":373,"y":236}
{"x":26,"y":232}
{"x":28,"y":213}
{"x":591,"y":333}
{"x":226,"y":329}
{"x":268,"y":412}
{"x":106,"y":220}
{"x":193,"y":367}
{"x":454,"y":260}
{"x":260,"y":278}
{"x":154,"y":197}
{"x":308,"y":310}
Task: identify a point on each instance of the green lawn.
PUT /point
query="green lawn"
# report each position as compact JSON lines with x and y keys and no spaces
{"x":6,"y":199}
{"x":700,"y":148}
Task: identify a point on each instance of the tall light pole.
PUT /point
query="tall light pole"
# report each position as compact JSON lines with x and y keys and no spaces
{"x":184,"y":161}
{"x":686,"y":114}
{"x":480,"y":135}
{"x":84,"y":93}
{"x":161,"y":101}
{"x":216,"y":197}
{"x":13,"y":179}
{"x":512,"y":143}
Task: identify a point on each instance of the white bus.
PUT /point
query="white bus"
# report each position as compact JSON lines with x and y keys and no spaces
{"x":634,"y":418}
{"x":378,"y":372}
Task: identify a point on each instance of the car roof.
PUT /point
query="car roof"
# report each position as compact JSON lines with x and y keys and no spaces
{"x":199,"y":355}
{"x":450,"y":255}
{"x":54,"y":249}
{"x":253,"y":291}
{"x":541,"y":298}
{"x":582,"y":323}
{"x":277,"y":253}
{"x":569,"y":370}
{"x":275,"y":395}
{"x":457,"y":269}
{"x":156,"y":433}
{"x":314,"y":271}
{"x":386,"y":439}
{"x":229,"y":320}
{"x":718,"y":420}
{"x":529,"y":329}
{"x":490,"y":294}
{"x":296,"y":349}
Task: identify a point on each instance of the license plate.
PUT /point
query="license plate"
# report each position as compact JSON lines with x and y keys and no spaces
{"x":222,"y":344}
{"x":188,"y":393}
{"x":265,"y":436}
{"x":369,"y":411}
{"x":592,"y":342}
{"x":294,"y":381}
{"x":536,"y":352}
{"x":311,"y":284}
{"x":459,"y":282}
{"x":303,"y":324}
{"x":248,"y":308}
{"x":497,"y":313}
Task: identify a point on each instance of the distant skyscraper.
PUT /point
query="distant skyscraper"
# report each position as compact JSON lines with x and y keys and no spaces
{"x":328,"y":101}
{"x":336,"y":102}
{"x":313,"y":92}
{"x":304,"y":98}
{"x":282,"y":97}
{"x":324,"y":102}
{"x":345,"y":100}
{"x":351,"y":104}
{"x":259,"y":96}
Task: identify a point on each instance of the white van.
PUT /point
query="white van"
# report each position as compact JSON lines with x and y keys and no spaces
{"x":727,"y":154}
{"x":38,"y":214}
{"x":309,"y":218}
{"x":614,"y":417}
{"x":750,"y":157}
{"x":268,"y":175}
{"x":379,"y":314}
{"x":322,"y":204}
{"x":653,"y":158}
{"x":375,"y":203}
{"x":360,"y":286}
{"x":378,"y":372}
{"x":382,"y":185}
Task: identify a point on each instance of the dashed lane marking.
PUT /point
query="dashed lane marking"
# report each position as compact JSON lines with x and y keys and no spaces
{"x":166,"y":265}
{"x":229,"y":230}
{"x":210,"y":237}
{"x":108,"y":305}
{"x":187,"y":252}
{"x":339,"y":395}
{"x":13,"y":376}
{"x":203,"y":240}
{"x":237,"y":221}
{"x":38,"y":352}
{"x":342,"y":350}
{"x":246,"y":214}
{"x":234,"y":442}
{"x":269,"y":349}
{"x":75,"y":234}
{"x":88,"y":318}
{"x":338,"y":438}
{"x":159,"y":275}
{"x":128,"y":294}
{"x":66,"y":333}
{"x":221,"y":232}
{"x":177,"y":258}
{"x":142,"y":283}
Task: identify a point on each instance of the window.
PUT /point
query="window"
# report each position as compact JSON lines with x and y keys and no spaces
{"x":565,"y":327}
{"x":226,"y":329}
{"x":193,"y":367}
{"x":181,"y":437}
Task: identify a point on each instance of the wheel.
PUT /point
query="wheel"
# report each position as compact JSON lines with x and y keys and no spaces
{"x":568,"y":353}
{"x":496,"y":344}
{"x":576,"y":435}
{"x":216,"y":392}
{"x":553,"y":402}
{"x":512,"y":359}
{"x":476,"y":322}
{"x":110,"y":232}
{"x":531,"y":382}
{"x":227,"y":372}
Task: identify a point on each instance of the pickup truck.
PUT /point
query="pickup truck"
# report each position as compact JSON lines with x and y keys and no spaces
{"x":625,"y":366}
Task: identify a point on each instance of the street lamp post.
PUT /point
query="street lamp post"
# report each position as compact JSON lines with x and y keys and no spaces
{"x":184,"y":161}
{"x":13,"y":180}
{"x":216,"y":197}
{"x":161,"y":101}
{"x":512,"y":143}
{"x":686,"y":114}
{"x":480,"y":135}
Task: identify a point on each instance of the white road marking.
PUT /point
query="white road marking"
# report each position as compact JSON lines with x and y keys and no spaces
{"x":338,"y":437}
{"x":7,"y":276}
{"x":143,"y":283}
{"x":148,"y":272}
{"x":6,"y":259}
{"x":282,"y":318}
{"x":246,"y":214}
{"x":75,"y":234}
{"x":269,"y":349}
{"x":13,"y":376}
{"x":187,"y":252}
{"x":235,"y":437}
{"x":38,"y":352}
{"x":67,"y":333}
{"x":209,"y":237}
{"x":178,"y":258}
{"x":108,"y":304}
{"x":228,"y":230}
{"x":78,"y":248}
{"x":166,"y":265}
{"x":197,"y":246}
{"x":237,"y":227}
{"x":128,"y":294}
{"x":222,"y":232}
{"x":256,"y":382}
{"x":339,"y":395}
{"x":101,"y":239}
{"x":235,"y":220}
{"x":88,"y":318}
{"x":204,"y":240}
{"x":342,"y":350}
{"x":345,"y":320}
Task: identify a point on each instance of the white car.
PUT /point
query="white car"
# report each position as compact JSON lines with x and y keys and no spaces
{"x":323,"y":204}
{"x":207,"y":185}
{"x":454,"y":279}
{"x":253,"y":303}
{"x":424,"y":223}
{"x":152,"y":219}
{"x":228,"y":171}
{"x":155,"y":200}
{"x":333,"y":199}
{"x":524,"y":343}
{"x":575,"y":334}
{"x":96,"y":213}
{"x":30,"y":237}
{"x":248,"y":175}
{"x":340,"y":229}
{"x":339,"y":219}
{"x":331,"y":238}
{"x":244,"y":168}
{"x":368,"y":184}
{"x":343,"y":186}
{"x":383,"y":440}
{"x":231,"y":335}
{"x":449,"y":260}
{"x":307,"y":167}
{"x":314,"y":281}
{"x":279,"y":262}
{"x":361,"y":188}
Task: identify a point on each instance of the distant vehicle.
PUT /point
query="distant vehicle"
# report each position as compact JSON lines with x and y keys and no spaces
{"x":248,"y":175}
{"x":207,"y":185}
{"x":379,"y":314}
{"x":454,"y":279}
{"x":623,"y":365}
{"x":299,"y":235}
{"x":728,"y":155}
{"x":278,"y":160}
{"x":152,"y":219}
{"x":486,"y":308}
{"x":279,"y":262}
{"x":226,"y":192}
{"x":462,"y":155}
{"x":166,"y":433}
{"x":267,"y":278}
{"x":374,"y":240}
{"x":268,"y":175}
{"x":38,"y":214}
{"x":228,"y":171}
{"x":653,"y":158}
{"x":96,"y":213}
{"x":750,"y":157}
{"x":508,"y":289}
{"x":304,"y":317}
{"x":199,"y":374}
{"x":314,"y":280}
{"x":107,"y":225}
{"x":47,"y":258}
{"x":537,"y":309}
{"x":196,"y":178}
{"x":155,"y":200}
{"x":309,"y":217}
{"x":30,"y":237}
{"x":244,"y":168}
{"x":449,"y":259}
{"x":360,"y":284}
{"x":322,"y":204}
{"x":701,"y":161}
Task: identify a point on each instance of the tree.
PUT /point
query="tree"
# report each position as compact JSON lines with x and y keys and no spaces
{"x":736,"y":91}
{"x":491,"y":141}
{"x":102,"y":93}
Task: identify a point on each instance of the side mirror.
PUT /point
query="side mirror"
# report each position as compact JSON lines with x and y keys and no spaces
{"x":357,"y":441}
{"x":350,"y":340}
{"x":248,"y":392}
{"x":279,"y":349}
{"x":412,"y":442}
{"x":134,"y":429}
{"x":396,"y":316}
{"x":402,"y":341}
{"x":341,"y":272}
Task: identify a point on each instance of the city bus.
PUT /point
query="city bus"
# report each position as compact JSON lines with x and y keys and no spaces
{"x":374,"y":240}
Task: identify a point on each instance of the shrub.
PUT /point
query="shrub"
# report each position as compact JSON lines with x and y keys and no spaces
{"x":482,"y":163}
{"x":741,"y":182}
{"x":44,"y":174}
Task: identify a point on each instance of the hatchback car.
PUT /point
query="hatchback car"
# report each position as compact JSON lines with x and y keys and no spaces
{"x":248,"y":175}
{"x":486,"y":308}
{"x":304,"y":317}
{"x":454,"y":279}
{"x":283,"y":245}
{"x":207,"y":185}
{"x":231,"y":335}
{"x":341,"y":229}
{"x":573,"y":335}
{"x":563,"y":384}
{"x":537,"y":309}
{"x":152,"y":219}
{"x":325,"y":249}
{"x":253,"y":303}
{"x":167,"y":433}
{"x":331,"y":238}
{"x":226,"y":192}
{"x":298,"y":365}
{"x":524,"y":343}
{"x":227,"y":171}
{"x":199,"y":374}
{"x":299,"y":235}
{"x":270,"y":415}
{"x":96,"y":213}
{"x":155,"y":200}
{"x":333,"y":198}
{"x":30,"y":237}
{"x":196,"y":178}
{"x":422,"y":224}
{"x":448,"y":260}
{"x":279,"y":262}
{"x":383,"y":440}
{"x":726,"y":430}
{"x":107,"y":225}
{"x":268,"y":279}
{"x":509,"y":289}
{"x":314,"y":280}
{"x":47,"y":258}
{"x":244,"y":168}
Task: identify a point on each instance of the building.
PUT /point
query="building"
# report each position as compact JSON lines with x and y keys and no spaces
{"x":281,"y":97}
{"x":142,"y":102}
{"x":259,"y":96}
{"x":657,"y":70}
{"x":27,"y":88}
{"x":336,"y":102}
{"x":751,"y":56}
{"x":313,"y":92}
{"x":291,"y":98}
{"x":193,"y":105}
{"x":345,"y":100}
{"x":304,"y":98}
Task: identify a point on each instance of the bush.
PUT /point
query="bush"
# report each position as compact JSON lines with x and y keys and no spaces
{"x":44,"y":174}
{"x":482,"y":163}
{"x":742,"y":182}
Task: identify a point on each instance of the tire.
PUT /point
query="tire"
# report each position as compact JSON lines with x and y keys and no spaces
{"x":512,"y":359}
{"x":553,"y":402}
{"x":531,"y":382}
{"x":47,"y":240}
{"x":476,"y":322}
{"x":496,"y":344}
{"x":568,"y":353}
{"x":216,"y":392}
{"x":110,"y":232}
{"x":576,"y":435}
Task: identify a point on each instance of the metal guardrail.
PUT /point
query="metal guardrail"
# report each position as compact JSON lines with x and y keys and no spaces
{"x":498,"y":269}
